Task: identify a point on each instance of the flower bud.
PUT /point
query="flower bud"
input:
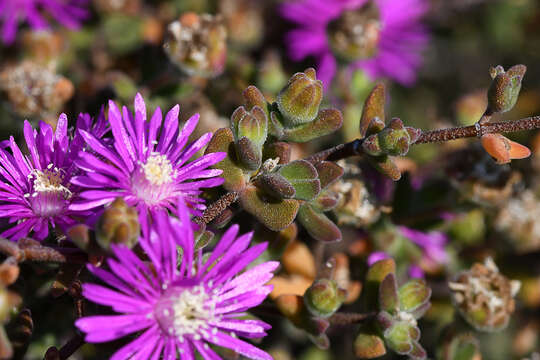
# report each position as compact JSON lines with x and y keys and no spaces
{"x":505,"y":87}
{"x":484,"y":297}
{"x":324,"y":297}
{"x":197,"y":44}
{"x":119,"y":224}
{"x":355,"y":34}
{"x":300,"y":99}
{"x":252,"y":124}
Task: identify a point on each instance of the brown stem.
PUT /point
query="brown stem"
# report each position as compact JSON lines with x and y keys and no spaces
{"x":217,"y":207}
{"x":349,"y":318}
{"x":71,"y":346}
{"x":354,"y":147}
{"x":31,"y":250}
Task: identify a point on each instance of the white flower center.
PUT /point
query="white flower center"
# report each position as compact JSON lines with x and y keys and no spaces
{"x":187,"y":311}
{"x":49,"y":194}
{"x":158,"y":169}
{"x":50,"y":180}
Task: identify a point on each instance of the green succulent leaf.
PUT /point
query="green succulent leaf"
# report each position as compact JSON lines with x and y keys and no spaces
{"x":375,"y":275}
{"x":275,"y":215}
{"x":368,"y":346}
{"x":386,"y":166}
{"x":414,"y":294}
{"x":417,"y":352}
{"x":326,"y":122}
{"x":318,"y":225}
{"x":388,"y":294}
{"x":329,"y":172}
{"x":326,"y":201}
{"x":372,"y":119}
{"x":398,"y":337}
{"x":303,"y":176}
{"x":223,"y":141}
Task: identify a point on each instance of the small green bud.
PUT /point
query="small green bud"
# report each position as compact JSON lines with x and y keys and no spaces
{"x":300,"y":99}
{"x":394,"y":139}
{"x":119,"y":224}
{"x":505,"y":87}
{"x":252,"y":124}
{"x":324,"y":297}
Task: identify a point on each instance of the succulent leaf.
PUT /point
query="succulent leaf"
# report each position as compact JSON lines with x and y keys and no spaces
{"x":327,"y":121}
{"x":318,"y":225}
{"x":275,"y":215}
{"x":372,"y":120}
{"x":303,"y":176}
{"x":414,"y":294}
{"x":223,"y":141}
{"x":388,"y":294}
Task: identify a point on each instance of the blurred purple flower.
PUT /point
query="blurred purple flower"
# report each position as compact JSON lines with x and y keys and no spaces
{"x":69,"y":13}
{"x":377,"y":256}
{"x":416,"y":272}
{"x":432,"y":243}
{"x":147,"y":163}
{"x":35,"y":189}
{"x":398,"y":45}
{"x":180,"y":307}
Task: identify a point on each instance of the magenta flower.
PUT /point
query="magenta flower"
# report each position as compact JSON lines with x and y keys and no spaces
{"x":35,"y":189}
{"x":384,"y":38}
{"x":180,"y":308}
{"x":147,"y":163}
{"x":69,"y":13}
{"x":432,"y":243}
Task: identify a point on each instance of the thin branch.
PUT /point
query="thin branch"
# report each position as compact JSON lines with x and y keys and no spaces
{"x":354,"y":148}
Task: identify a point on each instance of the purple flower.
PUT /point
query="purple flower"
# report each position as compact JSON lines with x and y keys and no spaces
{"x":377,"y":256}
{"x":180,"y":308}
{"x":432,"y":243}
{"x":147,"y":163}
{"x":382,"y":37}
{"x":67,"y":12}
{"x":35,"y":189}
